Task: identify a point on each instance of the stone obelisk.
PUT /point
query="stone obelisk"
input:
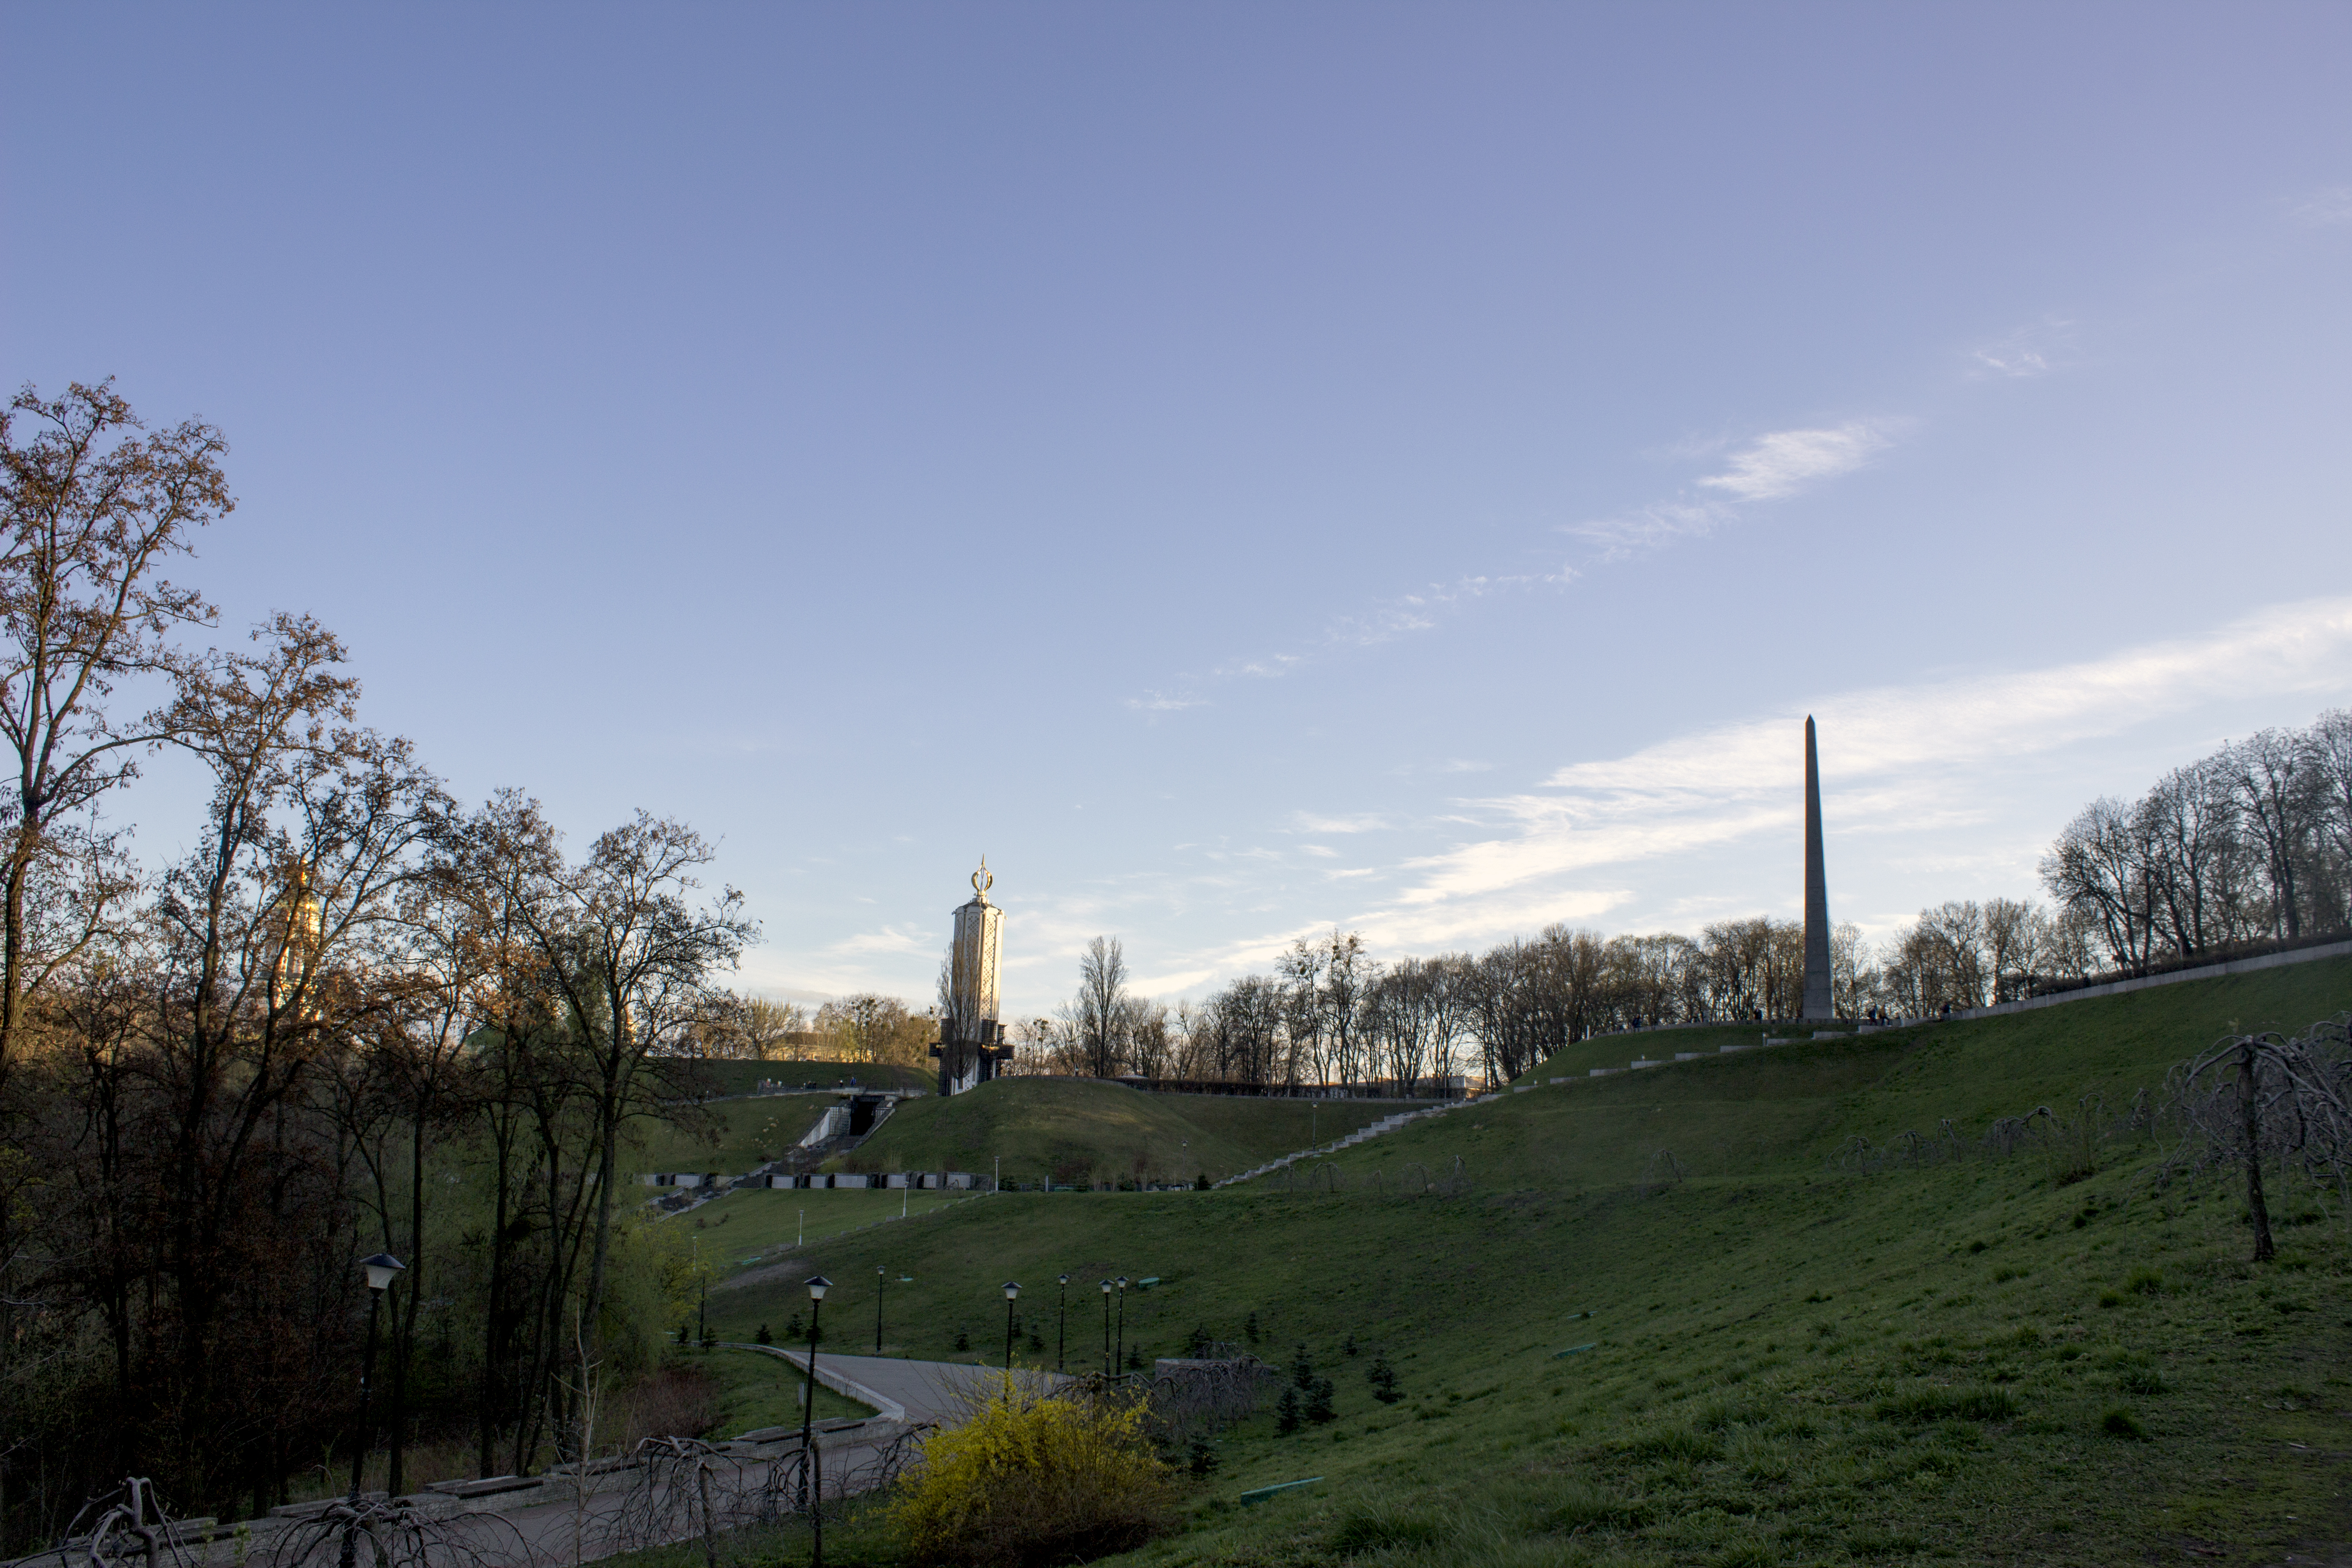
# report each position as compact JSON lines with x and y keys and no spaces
{"x":1817,"y":890}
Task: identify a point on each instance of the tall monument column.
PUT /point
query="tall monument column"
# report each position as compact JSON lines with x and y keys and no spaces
{"x":1818,"y":1004}
{"x":971,"y":1041}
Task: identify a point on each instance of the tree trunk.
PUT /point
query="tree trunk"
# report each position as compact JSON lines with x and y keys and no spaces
{"x":2265,"y":1249}
{"x":494,"y":1335}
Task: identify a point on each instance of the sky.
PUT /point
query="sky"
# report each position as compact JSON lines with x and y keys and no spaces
{"x":1247,"y":471}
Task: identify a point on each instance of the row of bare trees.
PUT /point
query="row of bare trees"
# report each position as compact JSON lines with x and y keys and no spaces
{"x":354,"y":1016}
{"x":2252,"y":843}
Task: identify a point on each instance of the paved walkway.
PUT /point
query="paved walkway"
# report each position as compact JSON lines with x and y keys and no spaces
{"x":939,"y":1391}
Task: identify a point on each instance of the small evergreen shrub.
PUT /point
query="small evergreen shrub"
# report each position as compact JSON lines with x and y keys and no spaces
{"x":763,"y":1337}
{"x":1286,"y":1413}
{"x":1383,"y":1379}
{"x":1318,"y":1408}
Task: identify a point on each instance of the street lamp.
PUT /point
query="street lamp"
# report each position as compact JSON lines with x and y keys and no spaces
{"x":813,"y":1477}
{"x":382,"y":1270}
{"x":1121,"y":1361}
{"x":1106,"y":1328}
{"x":1012,"y":1294}
{"x":1062,"y":1340}
{"x":878,"y":1278}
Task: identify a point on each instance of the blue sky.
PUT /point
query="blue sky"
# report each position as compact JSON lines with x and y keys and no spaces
{"x":1244,"y":468}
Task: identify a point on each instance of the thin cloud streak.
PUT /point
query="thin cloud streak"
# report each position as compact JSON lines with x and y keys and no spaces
{"x":1788,"y":462}
{"x":1901,"y":751}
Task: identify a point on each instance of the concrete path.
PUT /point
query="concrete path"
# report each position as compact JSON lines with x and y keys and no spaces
{"x":939,"y":1391}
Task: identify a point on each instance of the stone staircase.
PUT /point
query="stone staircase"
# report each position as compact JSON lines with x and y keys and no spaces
{"x":1386,"y":1124}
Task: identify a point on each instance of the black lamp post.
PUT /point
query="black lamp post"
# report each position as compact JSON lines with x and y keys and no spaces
{"x":877,"y":1309}
{"x":813,"y":1477}
{"x":382,"y":1270}
{"x":1121,"y":1360}
{"x":1106,"y":1328}
{"x":1062,"y":1337}
{"x":1012,"y":1294}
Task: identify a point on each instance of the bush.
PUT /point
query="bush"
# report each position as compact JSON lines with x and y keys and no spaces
{"x":2145,"y":1281}
{"x":763,"y":1337}
{"x":1032,"y":1479}
{"x":1383,"y":1379}
{"x":1319,"y":1401}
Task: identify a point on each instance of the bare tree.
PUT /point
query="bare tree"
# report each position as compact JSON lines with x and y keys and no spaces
{"x":1100,"y":1005}
{"x":633,"y":957}
{"x":2274,"y":780}
{"x":91,"y":511}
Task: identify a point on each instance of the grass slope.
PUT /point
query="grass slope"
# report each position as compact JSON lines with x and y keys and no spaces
{"x":757,"y":1390}
{"x":729,"y":1136}
{"x":1079,"y":1129}
{"x":1788,"y":1360}
{"x":733,"y":1233}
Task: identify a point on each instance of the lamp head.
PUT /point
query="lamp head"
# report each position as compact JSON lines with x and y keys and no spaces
{"x":1122,"y":1281}
{"x":818,"y":1286}
{"x":1062,"y":1279}
{"x":1106,"y":1287}
{"x":382,"y":1270}
{"x":1012,"y":1288}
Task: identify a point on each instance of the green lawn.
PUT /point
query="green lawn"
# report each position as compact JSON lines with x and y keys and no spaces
{"x":1795,"y":1356}
{"x":1082,"y":1130}
{"x":758,"y":1390}
{"x":734,"y":1231}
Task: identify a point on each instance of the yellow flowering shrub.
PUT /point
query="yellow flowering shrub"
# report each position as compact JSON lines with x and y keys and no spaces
{"x":1031,"y":1480}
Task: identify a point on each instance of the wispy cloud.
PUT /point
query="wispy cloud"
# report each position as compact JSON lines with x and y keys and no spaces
{"x":2329,"y":208}
{"x":1900,"y":756}
{"x":1383,"y":620}
{"x":1788,"y":462}
{"x":889,"y":939}
{"x":2029,"y":351}
{"x":1649,"y":527}
{"x":1165,"y":702}
{"x":1364,"y":822}
{"x":1770,"y":468}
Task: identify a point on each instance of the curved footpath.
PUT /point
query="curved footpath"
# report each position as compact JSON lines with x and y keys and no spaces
{"x":558,"y":1520}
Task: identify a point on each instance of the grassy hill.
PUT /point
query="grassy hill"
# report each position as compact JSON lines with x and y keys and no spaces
{"x":729,"y":1136}
{"x":1082,"y":1131}
{"x":1799,"y":1350}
